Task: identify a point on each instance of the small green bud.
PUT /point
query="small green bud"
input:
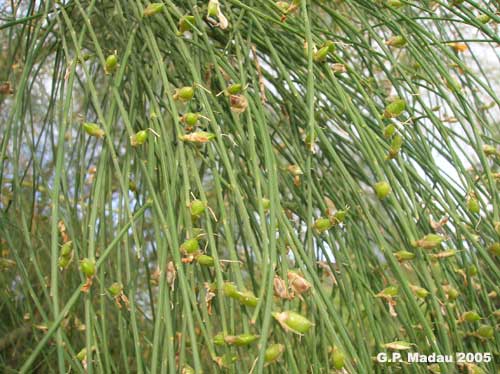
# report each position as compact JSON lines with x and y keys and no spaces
{"x":186,"y":24}
{"x":382,"y":189}
{"x":66,"y":248}
{"x":429,"y":241}
{"x":321,"y":54}
{"x":338,"y":359}
{"x":273,"y":353}
{"x":190,"y":246}
{"x":197,"y":208}
{"x":472,"y":270}
{"x":115,"y":289}
{"x":93,"y":129}
{"x":483,"y":18}
{"x":248,"y":298}
{"x":340,"y":215}
{"x":63,"y":262}
{"x":230,"y":290}
{"x":234,"y":89}
{"x":191,"y":119}
{"x":322,"y":224}
{"x":485,"y":332}
{"x":389,"y":131}
{"x":473,"y":204}
{"x":219,"y":339}
{"x":266,"y":204}
{"x":87,"y":266}
{"x":293,"y":322}
{"x":470,"y":316}
{"x":388,"y":292}
{"x":184,"y":93}
{"x":205,"y":260}
{"x":395,"y":108}
{"x":404,"y":255}
{"x":187,"y":370}
{"x":451,"y":292}
{"x":111,"y":64}
{"x":397,"y":41}
{"x":240,"y":340}
{"x":152,"y":9}
{"x":395,"y":3}
{"x":453,"y":84}
{"x":139,"y":138}
{"x":419,"y":291}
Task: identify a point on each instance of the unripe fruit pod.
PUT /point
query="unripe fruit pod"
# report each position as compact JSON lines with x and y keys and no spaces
{"x":248,"y":298}
{"x":485,"y":332}
{"x":234,"y":89}
{"x":93,"y":129}
{"x":322,"y":224}
{"x":397,"y":41}
{"x":197,"y":208}
{"x":338,"y":359}
{"x":273,"y":353}
{"x":213,"y":8}
{"x":241,"y":340}
{"x":63,"y":262}
{"x":387,"y":292}
{"x":382,"y":189}
{"x":82,"y":355}
{"x":266,"y":204}
{"x":293,"y":322}
{"x":389,"y":131}
{"x":321,"y":54}
{"x":452,"y":293}
{"x":395,"y":109}
{"x":66,"y":249}
{"x":115,"y":289}
{"x":219,"y":339}
{"x":186,"y":24}
{"x":473,"y":204}
{"x":472,"y":270}
{"x":395,"y":3}
{"x":470,"y":316}
{"x":230,"y":290}
{"x":205,"y":260}
{"x":87,"y":266}
{"x":152,"y":9}
{"x":429,"y":241}
{"x":404,"y":255}
{"x":188,"y":370}
{"x":191,"y":119}
{"x":111,"y":64}
{"x":184,"y":93}
{"x":494,"y":249}
{"x":483,"y":18}
{"x":419,"y":291}
{"x":190,"y":246}
{"x":139,"y":138}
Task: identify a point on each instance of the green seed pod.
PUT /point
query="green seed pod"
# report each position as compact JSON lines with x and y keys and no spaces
{"x":397,"y":41}
{"x":429,"y":241}
{"x":451,"y":292}
{"x":93,"y":129}
{"x":473,"y":204}
{"x":184,"y":93}
{"x":186,"y":24}
{"x":190,"y":246}
{"x":404,"y":255}
{"x":322,"y":224}
{"x":115,"y":289}
{"x":395,"y":3}
{"x":494,"y":249}
{"x":472,"y":270}
{"x":199,"y":137}
{"x":485,"y":332}
{"x":219,"y":339}
{"x":470,"y":316}
{"x":66,"y":249}
{"x":87,"y":266}
{"x":188,"y":370}
{"x":241,"y":340}
{"x":293,"y":322}
{"x":382,"y":189}
{"x":111,"y":64}
{"x":205,"y":260}
{"x":234,"y":89}
{"x":266,"y":204}
{"x":213,"y":8}
{"x":191,"y":119}
{"x":63,"y":262}
{"x":483,"y":18}
{"x":340,"y":215}
{"x":395,"y":108}
{"x":248,"y":298}
{"x":273,"y":353}
{"x":396,"y":144}
{"x":388,"y":292}
{"x":82,"y":355}
{"x":321,"y":54}
{"x":152,"y":9}
{"x":419,"y":291}
{"x":139,"y":138}
{"x":230,"y":290}
{"x":338,"y":359}
{"x":444,"y":254}
{"x":389,"y":131}
{"x":197,"y":208}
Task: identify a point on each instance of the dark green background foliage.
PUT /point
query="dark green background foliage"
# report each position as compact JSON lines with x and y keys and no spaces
{"x":335,"y":98}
